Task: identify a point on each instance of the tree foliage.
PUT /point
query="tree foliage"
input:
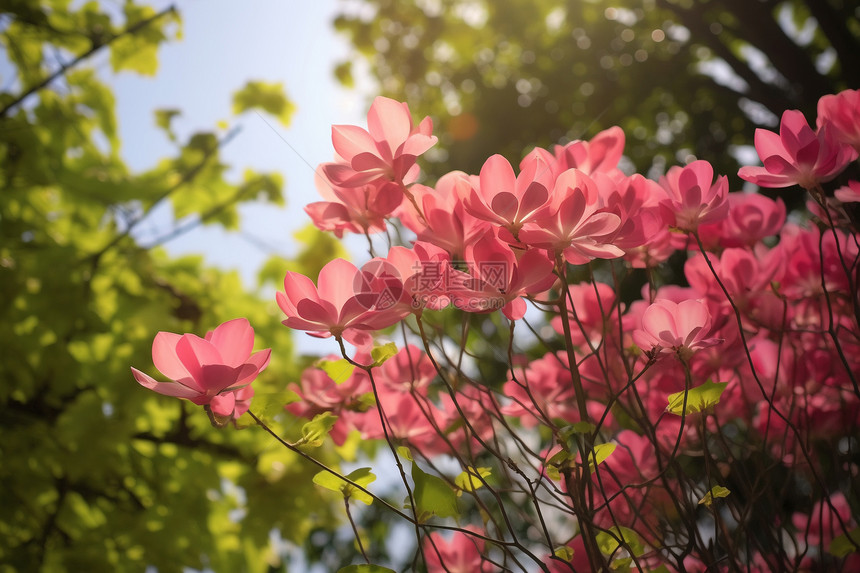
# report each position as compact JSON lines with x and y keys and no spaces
{"x":682,"y":78}
{"x":97,"y":473}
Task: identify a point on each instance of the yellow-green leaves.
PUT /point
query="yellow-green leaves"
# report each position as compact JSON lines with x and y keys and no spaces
{"x":471,"y":479}
{"x":610,"y":542}
{"x":315,"y":431}
{"x":846,"y":543}
{"x":337,"y":370}
{"x":137,"y":49}
{"x":698,"y":399}
{"x":365,"y":568}
{"x":361,"y":476}
{"x":433,"y":496}
{"x":715,"y":492}
{"x":380,"y":354}
{"x":599,"y":455}
{"x":164,"y":118}
{"x":265,"y":96}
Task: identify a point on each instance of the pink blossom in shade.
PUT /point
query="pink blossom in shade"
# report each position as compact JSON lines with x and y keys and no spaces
{"x":445,"y":222}
{"x":579,"y":561}
{"x":507,"y":200}
{"x":841,"y":113}
{"x":636,"y":202}
{"x":458,"y":553}
{"x":542,"y":393}
{"x":798,"y":155}
{"x":822,"y":523}
{"x":575,"y":229}
{"x":694,"y":197}
{"x":669,"y":327}
{"x":426,"y":272}
{"x":849,"y":193}
{"x":752,"y":217}
{"x":594,"y":306}
{"x":500,"y":278}
{"x":361,"y":209}
{"x":386,"y":151}
{"x":202,"y":370}
{"x":410,"y":370}
{"x":348,"y":302}
{"x":601,"y":154}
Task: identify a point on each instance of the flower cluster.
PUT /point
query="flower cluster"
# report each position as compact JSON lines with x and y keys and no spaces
{"x":758,"y":354}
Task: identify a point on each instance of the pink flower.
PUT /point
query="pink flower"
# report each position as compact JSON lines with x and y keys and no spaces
{"x":386,"y":151}
{"x":841,"y":112}
{"x":348,"y":302}
{"x":507,"y":200}
{"x":575,"y":228}
{"x":210,"y":370}
{"x":693,"y":198}
{"x":849,"y":193}
{"x":361,"y":209}
{"x":681,"y":328}
{"x":459,"y":554}
{"x":601,"y":154}
{"x":500,"y":279}
{"x":797,"y":155}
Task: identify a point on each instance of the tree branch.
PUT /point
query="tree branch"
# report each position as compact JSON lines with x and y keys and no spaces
{"x":134,"y":28}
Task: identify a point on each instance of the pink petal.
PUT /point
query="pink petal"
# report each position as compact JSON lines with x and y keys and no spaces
{"x":497,"y":176}
{"x":234,"y":340}
{"x":337,"y":282}
{"x":195,"y":353}
{"x":389,"y":121}
{"x":516,"y":309}
{"x":165,"y":388}
{"x":164,"y":356}
{"x":223,"y":404}
{"x":350,"y":140}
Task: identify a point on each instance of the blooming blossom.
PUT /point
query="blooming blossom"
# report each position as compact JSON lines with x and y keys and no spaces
{"x":692,"y":197}
{"x":798,"y":155}
{"x":385,"y":151}
{"x":348,"y":302}
{"x":841,"y":112}
{"x":681,"y":328}
{"x":207,"y":370}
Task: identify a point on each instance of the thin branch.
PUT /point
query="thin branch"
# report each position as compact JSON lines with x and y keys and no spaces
{"x":96,"y":46}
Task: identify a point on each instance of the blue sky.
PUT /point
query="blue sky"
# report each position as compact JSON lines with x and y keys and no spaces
{"x":224,"y":44}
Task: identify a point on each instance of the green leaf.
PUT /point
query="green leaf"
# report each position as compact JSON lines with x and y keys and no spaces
{"x":564,"y":552}
{"x":608,"y":543}
{"x":698,"y":399}
{"x":361,"y":476}
{"x":365,"y":568}
{"x":163,"y":119}
{"x":555,"y":463}
{"x":471,"y":479}
{"x":266,"y":405}
{"x":315,"y":431}
{"x":269,"y":97}
{"x":716,"y":491}
{"x":599,"y":455}
{"x":433,"y":496}
{"x":382,"y":353}
{"x":845,"y":544}
{"x":404,"y":452}
{"x":337,"y":370}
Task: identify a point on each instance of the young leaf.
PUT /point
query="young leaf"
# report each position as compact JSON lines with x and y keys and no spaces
{"x":716,"y":491}
{"x":269,"y":404}
{"x":365,"y":568}
{"x":470,"y":480}
{"x":315,"y":431}
{"x":404,"y":452}
{"x":382,"y":353}
{"x":564,"y":552}
{"x":845,"y":544}
{"x":433,"y":496}
{"x":268,"y":97}
{"x":599,"y":455}
{"x":608,"y":542}
{"x":361,"y":476}
{"x":698,"y":399}
{"x":337,"y":370}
